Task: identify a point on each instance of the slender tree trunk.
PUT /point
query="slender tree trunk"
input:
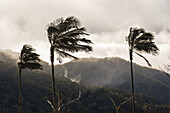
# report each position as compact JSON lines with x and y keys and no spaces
{"x":117,"y":111}
{"x":58,"y":98}
{"x":53,"y":79}
{"x":133,"y":92}
{"x":19,"y":82}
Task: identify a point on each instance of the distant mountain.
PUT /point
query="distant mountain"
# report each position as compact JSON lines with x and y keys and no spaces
{"x":36,"y":88}
{"x":9,"y":56}
{"x":12,"y":58}
{"x":115,"y":73}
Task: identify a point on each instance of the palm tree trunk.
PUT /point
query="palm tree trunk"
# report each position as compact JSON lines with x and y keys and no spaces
{"x":53,"y":79}
{"x":133,"y":92}
{"x":20,"y":101}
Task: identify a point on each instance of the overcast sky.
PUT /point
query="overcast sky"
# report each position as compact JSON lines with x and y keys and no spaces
{"x":107,"y":21}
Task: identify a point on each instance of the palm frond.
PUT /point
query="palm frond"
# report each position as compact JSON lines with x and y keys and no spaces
{"x":60,"y":25}
{"x":64,"y":28}
{"x":32,"y":66}
{"x":74,"y":32}
{"x":70,"y":40}
{"x":64,"y":54}
{"x":84,"y":40}
{"x":140,"y":40}
{"x":26,"y":49}
{"x":147,"y":46}
{"x":134,"y":33}
{"x":29,"y":59}
{"x":67,"y":24}
{"x":66,"y":42}
{"x":74,"y":47}
{"x":145,"y":37}
{"x":149,"y":64}
{"x":65,"y":37}
{"x":85,"y":48}
{"x":57,"y":21}
{"x":51,"y":30}
{"x":71,"y":22}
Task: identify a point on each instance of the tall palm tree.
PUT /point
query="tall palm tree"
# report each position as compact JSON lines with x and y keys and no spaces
{"x":28,"y":60}
{"x":140,"y":41}
{"x":64,"y":37}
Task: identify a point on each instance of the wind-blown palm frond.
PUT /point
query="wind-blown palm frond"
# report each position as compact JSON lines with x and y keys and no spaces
{"x":134,"y":33}
{"x":68,"y":40}
{"x":73,"y":32}
{"x":27,"y":49}
{"x":60,"y":25}
{"x":73,"y":47}
{"x":64,"y":54}
{"x":145,"y":37}
{"x":148,"y":47}
{"x":29,"y":59}
{"x":149,"y":64}
{"x":142,"y":41}
{"x":64,"y":35}
{"x":69,"y":23}
{"x":30,"y":65}
{"x":145,"y":43}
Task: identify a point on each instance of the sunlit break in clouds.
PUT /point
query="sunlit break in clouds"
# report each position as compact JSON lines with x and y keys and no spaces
{"x":107,"y":22}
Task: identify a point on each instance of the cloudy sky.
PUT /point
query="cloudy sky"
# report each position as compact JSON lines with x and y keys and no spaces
{"x":107,"y":21}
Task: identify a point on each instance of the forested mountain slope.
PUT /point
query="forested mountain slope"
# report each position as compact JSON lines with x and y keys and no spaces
{"x":36,"y":90}
{"x":115,"y":73}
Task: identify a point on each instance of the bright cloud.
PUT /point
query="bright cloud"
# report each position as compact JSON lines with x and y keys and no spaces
{"x":108,"y":23}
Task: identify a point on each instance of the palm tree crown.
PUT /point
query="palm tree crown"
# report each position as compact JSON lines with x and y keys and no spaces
{"x":64,"y":36}
{"x":142,"y":41}
{"x":29,"y":59}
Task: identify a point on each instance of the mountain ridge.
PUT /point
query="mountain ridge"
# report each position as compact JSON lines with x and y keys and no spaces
{"x":115,"y":73}
{"x":36,"y":90}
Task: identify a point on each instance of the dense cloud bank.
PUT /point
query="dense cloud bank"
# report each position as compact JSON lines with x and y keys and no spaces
{"x":108,"y":22}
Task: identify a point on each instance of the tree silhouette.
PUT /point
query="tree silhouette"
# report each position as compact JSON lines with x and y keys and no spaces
{"x":141,"y":41}
{"x":167,"y":69}
{"x":120,"y":105}
{"x":63,"y":106}
{"x":28,"y":60}
{"x":64,"y":37}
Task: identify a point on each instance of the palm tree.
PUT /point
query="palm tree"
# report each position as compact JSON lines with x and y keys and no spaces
{"x":140,"y":41}
{"x":64,"y":37}
{"x":28,"y":60}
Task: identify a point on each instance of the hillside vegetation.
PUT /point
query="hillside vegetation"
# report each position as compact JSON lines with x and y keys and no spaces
{"x":95,"y":97}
